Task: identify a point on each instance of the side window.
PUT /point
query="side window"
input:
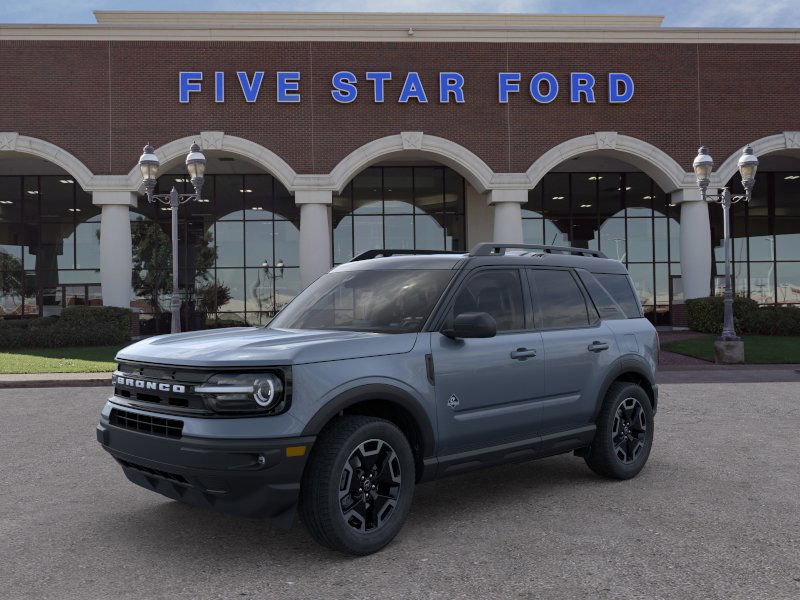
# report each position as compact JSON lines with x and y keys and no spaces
{"x":621,"y":290}
{"x":561,"y":302}
{"x":497,"y":292}
{"x":605,"y":304}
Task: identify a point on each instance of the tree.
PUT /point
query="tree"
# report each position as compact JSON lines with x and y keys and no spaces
{"x":152,"y":264}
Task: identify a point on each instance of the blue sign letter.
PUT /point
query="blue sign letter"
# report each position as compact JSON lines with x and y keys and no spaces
{"x":507,"y":83}
{"x":188,"y":81}
{"x":250,"y":90}
{"x":288,"y":86}
{"x":219,"y":86}
{"x":451,"y":83}
{"x":378,"y":77}
{"x":344,"y":91}
{"x":581,"y":83}
{"x":614,"y":94}
{"x":412,"y":88}
{"x":536,"y":88}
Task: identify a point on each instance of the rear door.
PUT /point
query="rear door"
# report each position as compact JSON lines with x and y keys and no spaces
{"x":486,"y":389}
{"x":578,"y":348}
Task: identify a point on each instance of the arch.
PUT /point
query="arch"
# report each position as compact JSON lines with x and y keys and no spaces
{"x":448,"y":153}
{"x":788,"y":140}
{"x":661,"y":167}
{"x":218,"y":140}
{"x":11,"y":141}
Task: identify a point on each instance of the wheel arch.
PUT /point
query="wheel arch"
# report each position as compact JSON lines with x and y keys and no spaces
{"x":386,"y":402}
{"x":634,"y":370}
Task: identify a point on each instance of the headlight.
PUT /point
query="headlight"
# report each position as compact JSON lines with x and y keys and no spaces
{"x":245,"y":392}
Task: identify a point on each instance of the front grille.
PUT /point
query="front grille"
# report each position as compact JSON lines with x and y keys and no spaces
{"x":171,"y":428}
{"x":157,"y":472}
{"x":148,"y":391}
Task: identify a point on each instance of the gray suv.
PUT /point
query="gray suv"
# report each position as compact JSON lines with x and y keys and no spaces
{"x":396,"y":368}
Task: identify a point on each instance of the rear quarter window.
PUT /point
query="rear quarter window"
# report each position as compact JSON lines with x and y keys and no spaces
{"x":607,"y":307}
{"x":620,"y":289}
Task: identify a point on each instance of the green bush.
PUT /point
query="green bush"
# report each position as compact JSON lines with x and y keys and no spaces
{"x":706,"y":315}
{"x":77,"y":326}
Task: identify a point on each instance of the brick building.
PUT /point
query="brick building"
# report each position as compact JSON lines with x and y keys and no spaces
{"x":329,"y":134}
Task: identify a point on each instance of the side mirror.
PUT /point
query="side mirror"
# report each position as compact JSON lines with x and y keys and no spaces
{"x":472,"y":325}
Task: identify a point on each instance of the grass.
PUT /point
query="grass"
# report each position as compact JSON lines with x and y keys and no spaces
{"x":85,"y":359}
{"x":758,"y":349}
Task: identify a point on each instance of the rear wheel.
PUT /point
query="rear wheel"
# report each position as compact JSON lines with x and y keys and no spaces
{"x":624,"y":433}
{"x":356,"y":492}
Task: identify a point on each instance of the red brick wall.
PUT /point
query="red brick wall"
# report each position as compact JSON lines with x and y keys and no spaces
{"x":102,"y":101}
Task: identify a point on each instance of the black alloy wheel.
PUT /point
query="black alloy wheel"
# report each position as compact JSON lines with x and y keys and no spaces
{"x":370,"y":485}
{"x":629,"y":432}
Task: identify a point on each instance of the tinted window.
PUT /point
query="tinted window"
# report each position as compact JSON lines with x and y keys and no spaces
{"x":391,"y":301}
{"x":605,"y":304}
{"x":560,"y":300}
{"x":497,"y":292}
{"x":620,"y":289}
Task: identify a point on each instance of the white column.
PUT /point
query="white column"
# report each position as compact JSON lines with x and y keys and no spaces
{"x":508,"y":214}
{"x":116,"y":256}
{"x":315,"y":233}
{"x":695,"y":243}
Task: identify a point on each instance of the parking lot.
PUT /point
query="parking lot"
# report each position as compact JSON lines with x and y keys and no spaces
{"x":715,"y":514}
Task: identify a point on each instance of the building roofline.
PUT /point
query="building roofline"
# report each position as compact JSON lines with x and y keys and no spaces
{"x":387,"y":27}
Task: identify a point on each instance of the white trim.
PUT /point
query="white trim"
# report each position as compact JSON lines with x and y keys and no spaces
{"x":451,"y":154}
{"x":11,"y":141}
{"x":788,"y":140}
{"x":218,"y":140}
{"x":664,"y":170}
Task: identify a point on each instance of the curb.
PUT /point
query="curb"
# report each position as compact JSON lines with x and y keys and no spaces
{"x":54,"y":383}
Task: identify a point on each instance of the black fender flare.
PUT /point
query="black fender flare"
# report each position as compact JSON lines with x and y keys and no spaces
{"x":626,"y":364}
{"x":375,"y":391}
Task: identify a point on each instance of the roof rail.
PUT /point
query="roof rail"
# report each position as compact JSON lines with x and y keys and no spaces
{"x":368,"y":254}
{"x":488,"y":248}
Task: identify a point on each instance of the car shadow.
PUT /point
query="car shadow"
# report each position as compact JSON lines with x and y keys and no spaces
{"x":167,"y":525}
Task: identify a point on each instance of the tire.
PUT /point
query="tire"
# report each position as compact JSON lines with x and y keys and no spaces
{"x":367,"y":513}
{"x":624,"y":435}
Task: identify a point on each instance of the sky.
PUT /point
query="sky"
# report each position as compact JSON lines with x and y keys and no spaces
{"x":678,"y":13}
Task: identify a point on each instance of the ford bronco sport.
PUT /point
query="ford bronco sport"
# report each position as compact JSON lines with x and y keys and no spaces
{"x":395,"y":368}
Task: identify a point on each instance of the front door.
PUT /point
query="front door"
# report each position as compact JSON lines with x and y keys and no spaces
{"x":487,"y":388}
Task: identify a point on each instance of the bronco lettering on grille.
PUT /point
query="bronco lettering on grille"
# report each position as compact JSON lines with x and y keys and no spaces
{"x":143,"y":384}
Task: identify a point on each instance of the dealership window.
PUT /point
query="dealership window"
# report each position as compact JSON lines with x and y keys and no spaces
{"x":399,"y":208}
{"x":624,"y":215}
{"x":49,"y":246}
{"x":238,"y":253}
{"x":766,"y":240}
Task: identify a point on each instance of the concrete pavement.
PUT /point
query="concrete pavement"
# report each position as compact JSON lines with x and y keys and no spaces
{"x":715,"y":514}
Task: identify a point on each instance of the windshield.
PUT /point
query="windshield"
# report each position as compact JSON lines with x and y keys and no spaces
{"x":391,"y":301}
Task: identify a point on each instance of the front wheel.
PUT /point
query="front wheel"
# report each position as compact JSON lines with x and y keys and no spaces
{"x":624,"y":433}
{"x":357,"y":489}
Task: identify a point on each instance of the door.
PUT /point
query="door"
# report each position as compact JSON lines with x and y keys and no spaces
{"x":578,"y":348}
{"x":486,"y":388}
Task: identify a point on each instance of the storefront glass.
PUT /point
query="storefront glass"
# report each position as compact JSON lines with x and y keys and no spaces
{"x":238,"y":253}
{"x":49,"y":246}
{"x":624,"y":215}
{"x":399,"y":208}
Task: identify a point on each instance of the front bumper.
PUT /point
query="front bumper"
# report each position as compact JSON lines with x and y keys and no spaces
{"x":250,"y":478}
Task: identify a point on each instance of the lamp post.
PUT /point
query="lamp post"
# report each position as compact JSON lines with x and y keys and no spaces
{"x":703,"y":165}
{"x":196,"y":165}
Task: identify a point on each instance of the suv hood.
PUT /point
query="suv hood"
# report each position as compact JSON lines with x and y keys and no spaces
{"x":258,"y":346}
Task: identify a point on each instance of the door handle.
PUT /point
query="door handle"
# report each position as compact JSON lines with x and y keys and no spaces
{"x":522,"y":353}
{"x":598,"y":346}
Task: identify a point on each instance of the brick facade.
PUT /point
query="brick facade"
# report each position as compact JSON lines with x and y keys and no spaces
{"x":101,"y":100}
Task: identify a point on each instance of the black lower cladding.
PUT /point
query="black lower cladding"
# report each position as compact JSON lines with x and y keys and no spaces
{"x":250,"y":478}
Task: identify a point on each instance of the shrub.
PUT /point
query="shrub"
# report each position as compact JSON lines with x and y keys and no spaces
{"x":706,"y":315}
{"x":77,"y":326}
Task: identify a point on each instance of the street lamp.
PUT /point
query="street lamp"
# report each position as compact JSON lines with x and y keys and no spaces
{"x":703,"y":165}
{"x":196,"y":165}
